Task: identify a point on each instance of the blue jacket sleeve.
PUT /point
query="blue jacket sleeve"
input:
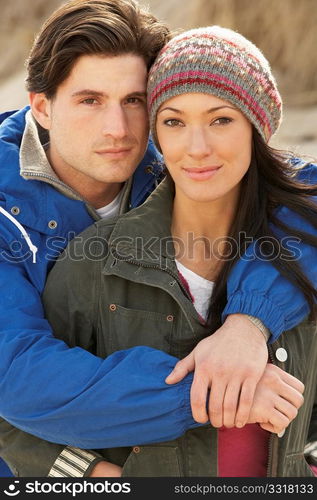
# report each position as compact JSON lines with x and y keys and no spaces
{"x":62,"y":394}
{"x":255,"y":287}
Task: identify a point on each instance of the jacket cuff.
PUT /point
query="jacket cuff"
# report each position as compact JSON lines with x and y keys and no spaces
{"x":189,"y":422}
{"x":74,"y":462}
{"x":260,"y":307}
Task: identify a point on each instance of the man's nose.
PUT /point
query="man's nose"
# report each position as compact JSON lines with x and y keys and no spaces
{"x":115,"y":122}
{"x":198,"y":143}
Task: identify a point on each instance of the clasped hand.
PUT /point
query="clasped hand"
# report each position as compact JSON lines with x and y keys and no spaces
{"x":231,"y":367}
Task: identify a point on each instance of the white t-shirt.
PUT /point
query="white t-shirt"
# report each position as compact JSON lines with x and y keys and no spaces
{"x":200,"y":289}
{"x":112,"y":209}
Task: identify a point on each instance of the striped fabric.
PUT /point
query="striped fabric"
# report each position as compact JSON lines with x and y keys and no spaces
{"x":72,"y":462}
{"x":221,"y":62}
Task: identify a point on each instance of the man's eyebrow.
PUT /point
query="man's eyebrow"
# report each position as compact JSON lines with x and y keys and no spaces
{"x":85,"y":92}
{"x":137,"y":94}
{"x":97,"y":93}
{"x":211,"y":110}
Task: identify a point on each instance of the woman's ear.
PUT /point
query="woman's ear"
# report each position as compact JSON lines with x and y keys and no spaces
{"x":41,"y":109}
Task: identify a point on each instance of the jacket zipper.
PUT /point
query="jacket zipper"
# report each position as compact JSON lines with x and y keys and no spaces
{"x":54,"y":181}
{"x":272,"y":438}
{"x":153,"y":266}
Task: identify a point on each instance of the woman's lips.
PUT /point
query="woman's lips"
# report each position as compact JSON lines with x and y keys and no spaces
{"x":203,"y":173}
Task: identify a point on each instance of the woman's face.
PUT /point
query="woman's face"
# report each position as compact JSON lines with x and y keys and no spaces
{"x":206,"y":143}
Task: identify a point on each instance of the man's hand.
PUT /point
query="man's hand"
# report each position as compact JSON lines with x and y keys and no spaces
{"x":106,"y":469}
{"x":277,"y":398}
{"x":229,"y":363}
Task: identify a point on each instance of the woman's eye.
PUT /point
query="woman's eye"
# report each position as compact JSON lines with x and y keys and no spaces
{"x":222,"y":121}
{"x":172,"y":122}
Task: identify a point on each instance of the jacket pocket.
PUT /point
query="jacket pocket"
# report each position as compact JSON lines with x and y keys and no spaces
{"x":132,"y":327}
{"x":152,"y":461}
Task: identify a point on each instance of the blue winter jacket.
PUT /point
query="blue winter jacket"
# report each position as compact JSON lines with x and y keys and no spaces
{"x":45,"y":385}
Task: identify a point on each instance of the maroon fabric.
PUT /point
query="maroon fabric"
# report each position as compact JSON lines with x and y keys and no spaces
{"x":314,"y":469}
{"x":243,"y":452}
{"x":186,"y":286}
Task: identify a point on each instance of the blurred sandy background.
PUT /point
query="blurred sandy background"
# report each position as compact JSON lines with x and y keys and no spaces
{"x":285,"y":30}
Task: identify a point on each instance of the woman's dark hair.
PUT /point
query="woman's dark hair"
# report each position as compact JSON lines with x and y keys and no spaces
{"x":272,"y":182}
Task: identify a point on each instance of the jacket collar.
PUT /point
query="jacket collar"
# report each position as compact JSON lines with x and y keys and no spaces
{"x":147,"y":176}
{"x":144,"y":234}
{"x":33,"y":159}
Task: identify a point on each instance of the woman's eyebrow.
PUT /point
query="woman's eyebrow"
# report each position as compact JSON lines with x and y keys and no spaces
{"x":168,"y":108}
{"x":211,"y":110}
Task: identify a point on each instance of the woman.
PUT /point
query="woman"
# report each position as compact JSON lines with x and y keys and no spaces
{"x":213,"y":106}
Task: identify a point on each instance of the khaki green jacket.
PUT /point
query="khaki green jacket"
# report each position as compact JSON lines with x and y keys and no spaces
{"x":133,"y":291}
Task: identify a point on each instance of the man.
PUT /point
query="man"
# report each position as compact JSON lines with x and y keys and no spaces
{"x":65,"y":164}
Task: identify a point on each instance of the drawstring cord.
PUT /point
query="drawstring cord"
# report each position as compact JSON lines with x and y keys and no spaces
{"x":27,"y":238}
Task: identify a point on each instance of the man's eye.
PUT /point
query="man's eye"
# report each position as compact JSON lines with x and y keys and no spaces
{"x":172,"y":122}
{"x":90,"y":101}
{"x":134,"y":100}
{"x":222,"y":121}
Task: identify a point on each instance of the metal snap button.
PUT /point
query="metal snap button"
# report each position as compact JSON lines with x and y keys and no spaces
{"x":149,"y":170}
{"x":170,"y":317}
{"x":52,"y":224}
{"x":112,"y":307}
{"x":136,"y":449}
{"x":15,"y":210}
{"x":281,"y":354}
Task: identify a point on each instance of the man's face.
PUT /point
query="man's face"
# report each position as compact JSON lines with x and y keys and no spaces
{"x":98,"y":122}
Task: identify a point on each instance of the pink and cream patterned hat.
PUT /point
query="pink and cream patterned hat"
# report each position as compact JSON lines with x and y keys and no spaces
{"x":221,"y":62}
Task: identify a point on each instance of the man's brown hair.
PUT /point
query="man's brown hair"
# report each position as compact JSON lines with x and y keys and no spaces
{"x":84,"y":27}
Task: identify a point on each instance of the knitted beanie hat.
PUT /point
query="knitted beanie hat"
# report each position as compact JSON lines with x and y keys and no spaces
{"x":221,"y":62}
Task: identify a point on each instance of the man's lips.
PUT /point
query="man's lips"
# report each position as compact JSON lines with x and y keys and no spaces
{"x":114,"y":152}
{"x":202,"y":173}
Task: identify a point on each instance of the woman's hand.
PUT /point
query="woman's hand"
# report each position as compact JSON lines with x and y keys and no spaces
{"x":230,"y":363}
{"x":277,"y":398}
{"x":106,"y":469}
